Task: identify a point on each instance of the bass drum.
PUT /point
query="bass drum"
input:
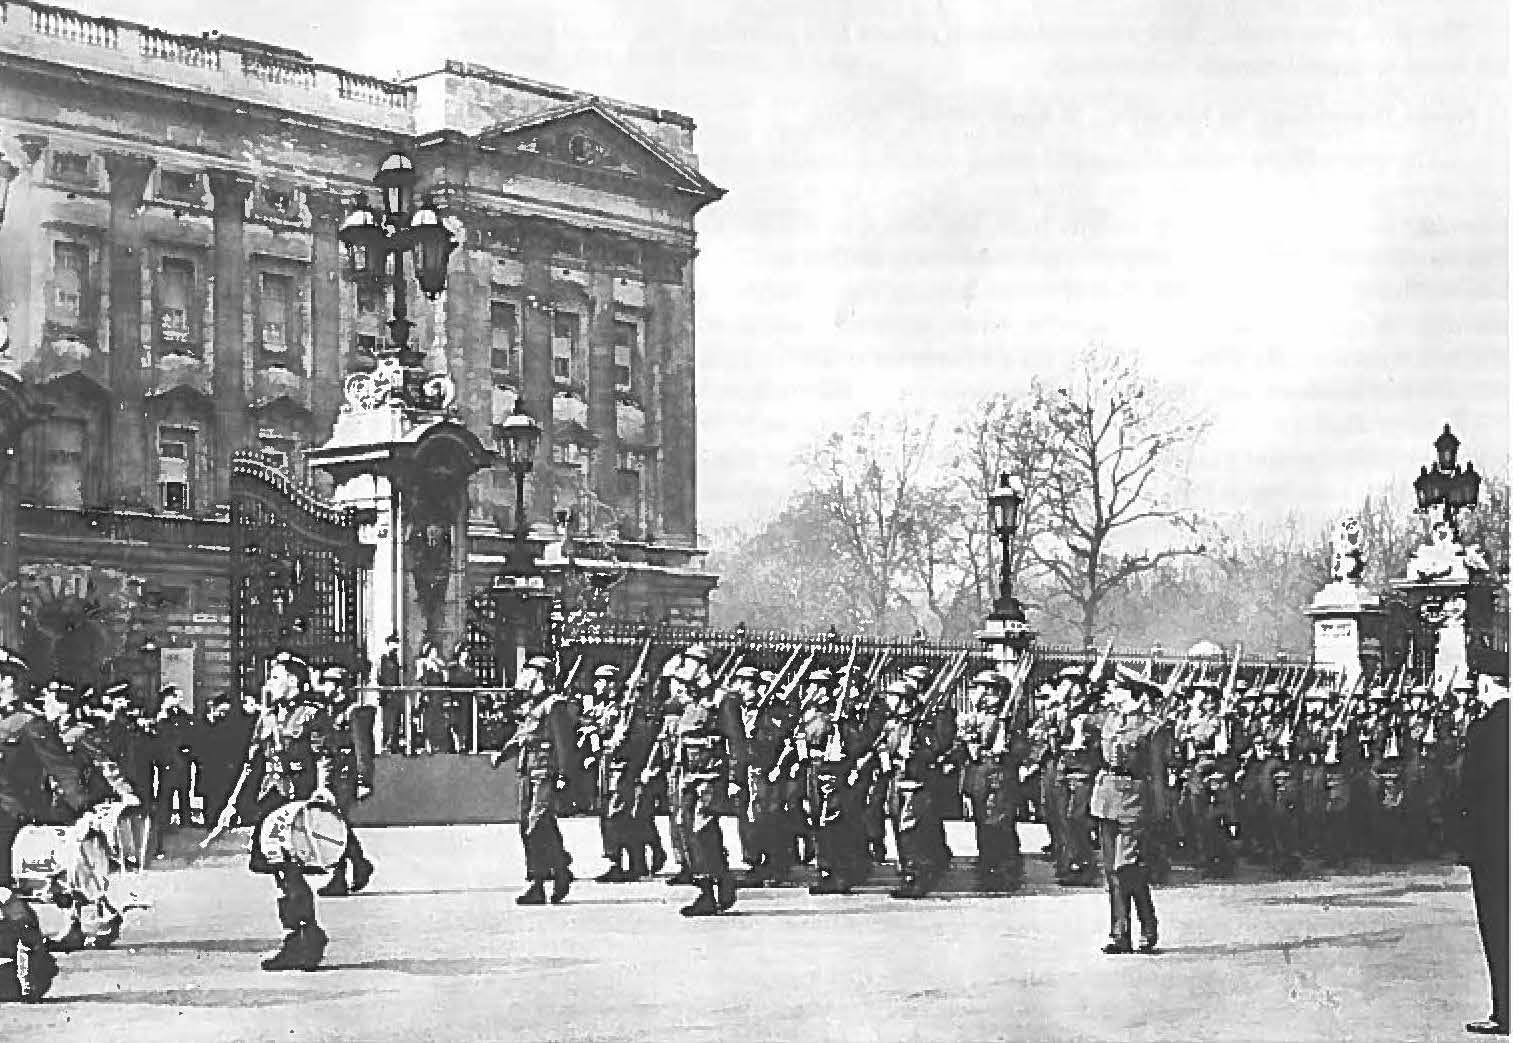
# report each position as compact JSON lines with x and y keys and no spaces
{"x":312,"y":836}
{"x":51,"y":862}
{"x":127,"y":829}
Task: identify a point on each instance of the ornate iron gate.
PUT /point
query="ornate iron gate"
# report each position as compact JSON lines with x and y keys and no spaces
{"x":296,"y":575}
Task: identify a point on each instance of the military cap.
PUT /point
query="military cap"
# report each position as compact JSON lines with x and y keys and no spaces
{"x":820,"y":676}
{"x":988,"y":679}
{"x":1242,"y":685}
{"x":747,"y":673}
{"x":119,"y":690}
{"x":1207,"y":687}
{"x":609,"y":671}
{"x":918,"y":674}
{"x":768,"y":676}
{"x":902,"y":686}
{"x":697,"y":651}
{"x":11,"y":663}
{"x":1420,"y":690}
{"x":540,"y":662}
{"x":334,"y":673}
{"x":670,"y":667}
{"x":1271,"y":690}
{"x":1071,"y":673}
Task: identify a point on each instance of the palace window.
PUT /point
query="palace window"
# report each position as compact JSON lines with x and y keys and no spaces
{"x":367,"y":345}
{"x":175,"y":300}
{"x":63,"y":462}
{"x":564,"y":344}
{"x":504,"y":333}
{"x":368,"y":296}
{"x":176,"y":468}
{"x":276,"y":317}
{"x":70,"y":284}
{"x":627,"y":339}
{"x":71,"y":166}
{"x":180,"y":186}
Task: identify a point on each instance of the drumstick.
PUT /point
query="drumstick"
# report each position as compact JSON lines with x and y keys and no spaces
{"x":236,"y":792}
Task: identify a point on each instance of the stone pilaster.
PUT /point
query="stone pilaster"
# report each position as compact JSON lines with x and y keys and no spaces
{"x":468,"y":340}
{"x":326,"y":211}
{"x":671,"y":334}
{"x":536,"y":387}
{"x":604,"y":461}
{"x":129,"y":456}
{"x":19,"y":409}
{"x":230,"y":190}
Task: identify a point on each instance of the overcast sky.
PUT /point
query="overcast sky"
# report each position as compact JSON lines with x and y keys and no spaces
{"x":1297,"y":210}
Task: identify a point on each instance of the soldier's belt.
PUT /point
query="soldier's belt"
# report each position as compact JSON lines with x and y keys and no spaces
{"x":700,"y":740}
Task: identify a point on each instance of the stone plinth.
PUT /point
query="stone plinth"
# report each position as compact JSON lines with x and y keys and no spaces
{"x":1347,"y":629}
{"x":1006,"y":638}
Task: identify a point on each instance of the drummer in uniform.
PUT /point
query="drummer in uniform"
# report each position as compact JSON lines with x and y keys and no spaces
{"x":547,"y":741}
{"x":104,"y":783}
{"x":293,"y":743}
{"x":346,"y":779}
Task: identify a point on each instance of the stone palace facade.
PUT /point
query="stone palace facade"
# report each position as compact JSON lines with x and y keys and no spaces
{"x":172,"y":289}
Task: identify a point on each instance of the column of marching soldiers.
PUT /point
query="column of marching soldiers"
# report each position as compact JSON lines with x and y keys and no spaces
{"x":813,"y":763}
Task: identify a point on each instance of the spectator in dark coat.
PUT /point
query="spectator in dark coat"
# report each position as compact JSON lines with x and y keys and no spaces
{"x":221,"y":746}
{"x":1483,"y":807}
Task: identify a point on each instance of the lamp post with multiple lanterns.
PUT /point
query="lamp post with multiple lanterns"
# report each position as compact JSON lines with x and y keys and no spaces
{"x":1445,"y":484}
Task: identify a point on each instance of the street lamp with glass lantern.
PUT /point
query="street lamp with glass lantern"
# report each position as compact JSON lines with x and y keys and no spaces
{"x":372,"y":239}
{"x":518,"y":438}
{"x":1006,"y":631}
{"x":1444,"y":483}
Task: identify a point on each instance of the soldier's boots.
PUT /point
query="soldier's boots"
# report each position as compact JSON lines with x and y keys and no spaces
{"x":682,"y":878}
{"x":724,"y":891}
{"x":658,"y":857}
{"x":72,"y":940}
{"x":1118,"y":947}
{"x":613,"y":875}
{"x":830,"y":884}
{"x":534,"y":895}
{"x":336,"y":887}
{"x":637,"y":869}
{"x":302,"y":950}
{"x":561,"y":883}
{"x":705,"y":904}
{"x":106,"y":934}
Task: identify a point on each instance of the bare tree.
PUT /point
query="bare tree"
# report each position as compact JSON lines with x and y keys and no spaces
{"x":1116,"y":441}
{"x":870,"y":481}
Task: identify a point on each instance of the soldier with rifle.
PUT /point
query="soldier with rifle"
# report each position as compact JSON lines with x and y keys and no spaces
{"x":660,"y":777}
{"x":545,"y":740}
{"x":1206,"y":745}
{"x":711,"y":762}
{"x":921,"y":735}
{"x":626,"y":822}
{"x":768,"y":719}
{"x":994,"y":744}
{"x":1077,"y":768}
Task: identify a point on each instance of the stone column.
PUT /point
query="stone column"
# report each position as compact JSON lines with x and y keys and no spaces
{"x":536,"y":387}
{"x":230,"y":190}
{"x":19,"y":241}
{"x":326,"y":210}
{"x":672,"y":333}
{"x":129,"y":479}
{"x":19,"y":409}
{"x":468,"y":341}
{"x":603,"y":464}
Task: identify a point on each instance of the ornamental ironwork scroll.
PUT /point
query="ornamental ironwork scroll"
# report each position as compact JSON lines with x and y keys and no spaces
{"x":296,"y":572}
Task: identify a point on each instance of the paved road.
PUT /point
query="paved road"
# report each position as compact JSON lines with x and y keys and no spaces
{"x":437,"y":950}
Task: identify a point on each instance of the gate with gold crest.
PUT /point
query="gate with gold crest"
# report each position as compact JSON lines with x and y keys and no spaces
{"x":296,"y":571}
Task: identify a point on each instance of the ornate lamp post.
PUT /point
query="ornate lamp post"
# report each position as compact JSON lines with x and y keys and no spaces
{"x":518,"y":438}
{"x":1006,"y":632}
{"x":373,"y":240}
{"x":1444,"y":484}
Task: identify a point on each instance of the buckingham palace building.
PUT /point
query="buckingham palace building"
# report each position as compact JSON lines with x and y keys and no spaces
{"x":173,"y":290}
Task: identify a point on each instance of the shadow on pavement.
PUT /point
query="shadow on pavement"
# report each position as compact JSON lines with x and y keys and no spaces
{"x":473,"y":966}
{"x":1364,"y":939}
{"x":231,"y":998}
{"x":1379,"y":897}
{"x":206,"y":945}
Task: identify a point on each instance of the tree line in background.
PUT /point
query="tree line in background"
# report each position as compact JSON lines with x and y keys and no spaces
{"x":890,"y":534}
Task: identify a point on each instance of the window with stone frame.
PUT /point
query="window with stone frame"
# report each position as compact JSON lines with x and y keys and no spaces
{"x":70,"y":289}
{"x":176,"y":460}
{"x":276,"y":314}
{"x":627,"y":344}
{"x":64,"y":461}
{"x":177,"y":333}
{"x":72,"y":167}
{"x":504,"y":343}
{"x":366,"y":346}
{"x":180,"y":186}
{"x":565,"y":326}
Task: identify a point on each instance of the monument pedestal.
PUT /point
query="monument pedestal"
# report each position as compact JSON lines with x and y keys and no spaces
{"x":1347,"y":630}
{"x":1007,"y":638}
{"x":411,"y":468}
